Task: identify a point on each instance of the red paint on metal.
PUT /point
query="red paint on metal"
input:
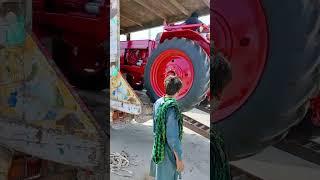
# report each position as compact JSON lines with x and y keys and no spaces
{"x":131,"y":53}
{"x":25,"y":167}
{"x":82,"y":32}
{"x":315,"y":110}
{"x":172,"y":62}
{"x":243,"y":38}
{"x":193,"y":27}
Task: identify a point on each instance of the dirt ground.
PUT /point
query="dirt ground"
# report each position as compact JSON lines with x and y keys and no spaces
{"x":136,"y":139}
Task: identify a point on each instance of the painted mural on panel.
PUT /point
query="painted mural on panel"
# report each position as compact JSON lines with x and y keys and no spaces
{"x":122,"y":96}
{"x":31,"y":90}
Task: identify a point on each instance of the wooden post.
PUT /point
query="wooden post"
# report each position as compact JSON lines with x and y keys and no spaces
{"x":5,"y":162}
{"x":149,"y":33}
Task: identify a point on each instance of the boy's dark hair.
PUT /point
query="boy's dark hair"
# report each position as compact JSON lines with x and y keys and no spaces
{"x":172,"y":84}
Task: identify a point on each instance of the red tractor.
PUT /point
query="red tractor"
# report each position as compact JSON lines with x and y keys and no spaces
{"x":181,"y":50}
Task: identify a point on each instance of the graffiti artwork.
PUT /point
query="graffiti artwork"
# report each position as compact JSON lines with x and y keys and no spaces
{"x":122,"y":96}
{"x":40,"y":114}
{"x":31,"y":89}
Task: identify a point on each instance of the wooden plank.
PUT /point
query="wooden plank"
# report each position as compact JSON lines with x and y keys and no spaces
{"x":164,"y":8}
{"x":158,"y":22}
{"x":151,"y":9}
{"x":128,"y":19}
{"x":207,"y":2}
{"x":53,"y":145}
{"x":180,"y":7}
{"x":167,"y":7}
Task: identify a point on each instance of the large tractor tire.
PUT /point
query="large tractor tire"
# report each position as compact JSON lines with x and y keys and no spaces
{"x":289,"y":79}
{"x":184,"y":58}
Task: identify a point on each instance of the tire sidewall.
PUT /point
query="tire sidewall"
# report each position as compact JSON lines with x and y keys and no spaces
{"x":197,"y":56}
{"x":280,"y":99}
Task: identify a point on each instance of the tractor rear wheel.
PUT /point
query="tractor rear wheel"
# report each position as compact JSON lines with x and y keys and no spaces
{"x":187,"y":60}
{"x":289,"y":79}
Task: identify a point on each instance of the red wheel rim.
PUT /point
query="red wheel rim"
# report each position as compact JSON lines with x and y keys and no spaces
{"x":172,"y":62}
{"x":240,"y":33}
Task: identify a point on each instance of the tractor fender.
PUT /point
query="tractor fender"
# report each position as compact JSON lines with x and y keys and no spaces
{"x":188,"y":34}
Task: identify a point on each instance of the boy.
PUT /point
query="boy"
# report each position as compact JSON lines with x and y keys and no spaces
{"x":166,"y":163}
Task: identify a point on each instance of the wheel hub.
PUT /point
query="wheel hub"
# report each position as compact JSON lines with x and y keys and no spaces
{"x":172,"y":62}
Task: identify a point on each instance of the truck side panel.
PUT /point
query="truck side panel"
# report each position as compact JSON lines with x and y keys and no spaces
{"x":40,"y":113}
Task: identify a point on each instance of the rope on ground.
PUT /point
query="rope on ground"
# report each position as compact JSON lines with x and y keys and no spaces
{"x":118,"y":163}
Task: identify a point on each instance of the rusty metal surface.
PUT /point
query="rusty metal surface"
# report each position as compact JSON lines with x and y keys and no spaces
{"x":5,"y":162}
{"x":122,"y":96}
{"x":196,"y":126}
{"x":40,"y":114}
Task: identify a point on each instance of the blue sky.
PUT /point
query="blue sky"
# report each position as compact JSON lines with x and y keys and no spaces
{"x":144,"y":34}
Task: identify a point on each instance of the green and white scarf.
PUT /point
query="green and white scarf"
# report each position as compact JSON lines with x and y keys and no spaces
{"x":158,"y":150}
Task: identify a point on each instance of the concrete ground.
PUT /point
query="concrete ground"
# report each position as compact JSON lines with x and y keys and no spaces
{"x":270,"y":164}
{"x":136,"y":140}
{"x":274,"y":164}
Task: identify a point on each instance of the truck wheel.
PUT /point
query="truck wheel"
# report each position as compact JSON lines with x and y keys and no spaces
{"x":184,"y":58}
{"x":289,"y":77}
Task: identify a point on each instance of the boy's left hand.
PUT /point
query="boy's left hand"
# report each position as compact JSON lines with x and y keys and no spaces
{"x":180,"y":165}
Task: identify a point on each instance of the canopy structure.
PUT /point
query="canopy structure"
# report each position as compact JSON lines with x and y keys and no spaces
{"x":143,"y":14}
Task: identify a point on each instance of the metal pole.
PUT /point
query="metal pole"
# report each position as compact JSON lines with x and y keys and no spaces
{"x":28,"y":15}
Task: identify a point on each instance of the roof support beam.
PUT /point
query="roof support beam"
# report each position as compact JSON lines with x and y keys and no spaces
{"x":180,"y":7}
{"x":150,"y":8}
{"x":168,"y":8}
{"x":207,"y":2}
{"x":128,"y":19}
